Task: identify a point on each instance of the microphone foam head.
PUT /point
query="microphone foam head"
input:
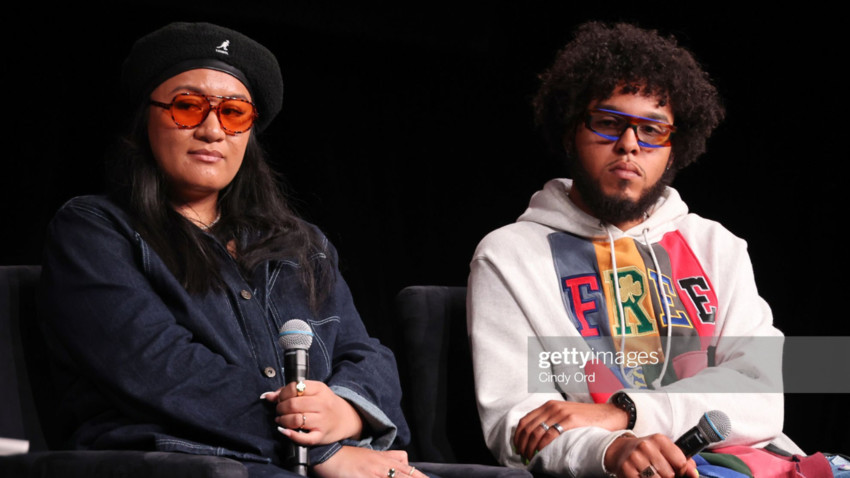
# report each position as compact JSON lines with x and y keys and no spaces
{"x":295,"y":334}
{"x":715,"y":425}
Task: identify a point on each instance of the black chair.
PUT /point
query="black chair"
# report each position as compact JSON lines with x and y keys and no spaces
{"x":436,"y":372}
{"x":26,"y":392}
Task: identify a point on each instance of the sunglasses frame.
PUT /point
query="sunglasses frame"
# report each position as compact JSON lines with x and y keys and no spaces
{"x":216,"y":108}
{"x":633,"y":122}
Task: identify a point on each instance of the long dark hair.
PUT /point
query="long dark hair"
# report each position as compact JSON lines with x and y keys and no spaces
{"x":254,"y":215}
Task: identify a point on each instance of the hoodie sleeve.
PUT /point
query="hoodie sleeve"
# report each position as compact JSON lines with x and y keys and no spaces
{"x":499,"y":329}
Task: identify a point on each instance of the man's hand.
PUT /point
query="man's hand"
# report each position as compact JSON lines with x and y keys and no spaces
{"x":531,"y":437}
{"x":654,"y":456}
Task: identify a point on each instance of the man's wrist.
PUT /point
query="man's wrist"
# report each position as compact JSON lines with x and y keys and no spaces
{"x":625,"y":403}
{"x":611,"y":452}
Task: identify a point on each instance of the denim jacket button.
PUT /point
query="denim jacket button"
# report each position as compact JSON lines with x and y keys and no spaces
{"x":246,"y":294}
{"x":269,"y":371}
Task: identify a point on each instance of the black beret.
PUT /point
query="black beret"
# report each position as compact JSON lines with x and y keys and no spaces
{"x":180,"y":47}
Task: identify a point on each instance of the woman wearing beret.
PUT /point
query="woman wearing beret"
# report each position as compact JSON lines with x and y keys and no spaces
{"x":163,"y":300}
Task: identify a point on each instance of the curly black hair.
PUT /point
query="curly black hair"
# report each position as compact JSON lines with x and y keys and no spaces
{"x":602,"y":58}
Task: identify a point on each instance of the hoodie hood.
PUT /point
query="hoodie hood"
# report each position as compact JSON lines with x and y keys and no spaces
{"x":552,"y":207}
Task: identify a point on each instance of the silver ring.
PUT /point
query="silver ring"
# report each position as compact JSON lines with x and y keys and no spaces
{"x":648,"y":471}
{"x":391,"y":473}
{"x":545,"y":426}
{"x":303,"y":420}
{"x":559,"y":428}
{"x":412,"y":469}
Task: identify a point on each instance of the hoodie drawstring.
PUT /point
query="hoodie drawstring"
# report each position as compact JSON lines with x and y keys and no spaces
{"x":662,"y":297}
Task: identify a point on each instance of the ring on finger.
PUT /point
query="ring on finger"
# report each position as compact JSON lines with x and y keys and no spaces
{"x":559,"y":428}
{"x":391,"y":473}
{"x":303,"y":420}
{"x":648,"y":471}
{"x":545,"y":426}
{"x":300,"y":388}
{"x":412,"y":469}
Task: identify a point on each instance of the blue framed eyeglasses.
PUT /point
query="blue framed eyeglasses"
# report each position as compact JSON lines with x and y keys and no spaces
{"x":610,"y":124}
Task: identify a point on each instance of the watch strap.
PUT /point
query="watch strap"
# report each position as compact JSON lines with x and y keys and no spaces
{"x":625,"y":403}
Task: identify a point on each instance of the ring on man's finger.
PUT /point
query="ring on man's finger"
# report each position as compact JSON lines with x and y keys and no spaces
{"x":648,"y":471}
{"x":391,"y":473}
{"x":412,"y":469}
{"x":545,"y":426}
{"x":559,"y":428}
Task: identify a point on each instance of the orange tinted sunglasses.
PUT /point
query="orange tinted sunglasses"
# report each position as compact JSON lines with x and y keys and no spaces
{"x":189,"y":110}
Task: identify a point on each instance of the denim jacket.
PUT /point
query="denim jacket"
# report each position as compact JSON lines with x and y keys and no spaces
{"x":143,"y":364}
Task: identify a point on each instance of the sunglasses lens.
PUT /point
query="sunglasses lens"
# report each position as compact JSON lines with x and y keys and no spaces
{"x":236,"y":115}
{"x":189,"y":110}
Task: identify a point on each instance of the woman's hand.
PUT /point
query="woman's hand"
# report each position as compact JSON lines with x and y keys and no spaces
{"x":322,"y":416}
{"x":654,"y":456}
{"x":531,"y":437}
{"x":354,"y":462}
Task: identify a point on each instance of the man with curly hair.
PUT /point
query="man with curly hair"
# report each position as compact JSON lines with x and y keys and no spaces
{"x":627,"y":309}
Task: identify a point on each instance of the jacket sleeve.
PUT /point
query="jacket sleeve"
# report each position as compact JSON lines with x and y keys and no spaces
{"x":364,"y":373}
{"x":499,"y":330}
{"x":108,"y":325}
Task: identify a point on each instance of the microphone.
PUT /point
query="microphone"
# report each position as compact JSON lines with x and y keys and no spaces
{"x":296,"y":338}
{"x":713,"y":426}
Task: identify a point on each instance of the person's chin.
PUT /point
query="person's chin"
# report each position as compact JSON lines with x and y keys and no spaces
{"x":623,"y":194}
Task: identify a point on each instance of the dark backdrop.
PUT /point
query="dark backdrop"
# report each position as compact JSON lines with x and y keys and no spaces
{"x":406,"y":135}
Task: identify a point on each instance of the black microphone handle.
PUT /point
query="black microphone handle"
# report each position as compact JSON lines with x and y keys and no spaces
{"x":296,"y":365}
{"x":692,"y":442}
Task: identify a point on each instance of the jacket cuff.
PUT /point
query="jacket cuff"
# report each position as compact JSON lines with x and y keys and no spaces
{"x":321,"y":453}
{"x":383,"y":430}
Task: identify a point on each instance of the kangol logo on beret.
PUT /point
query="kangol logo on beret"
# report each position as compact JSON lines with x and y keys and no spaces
{"x":223,"y":47}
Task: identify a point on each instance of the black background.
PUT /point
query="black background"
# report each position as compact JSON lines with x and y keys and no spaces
{"x":406,"y":135}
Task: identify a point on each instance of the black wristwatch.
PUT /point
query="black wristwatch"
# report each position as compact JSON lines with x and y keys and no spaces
{"x":623,"y":402}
